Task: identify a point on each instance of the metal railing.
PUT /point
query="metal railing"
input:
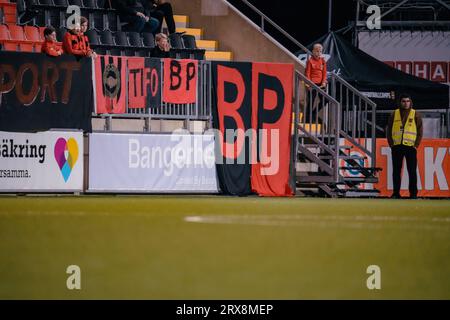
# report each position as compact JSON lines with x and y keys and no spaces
{"x":200,"y":110}
{"x":358,"y":112}
{"x":263,"y":20}
{"x":317,"y":118}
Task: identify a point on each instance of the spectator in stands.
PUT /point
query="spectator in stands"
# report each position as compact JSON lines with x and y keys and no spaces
{"x":133,"y":12}
{"x":162,"y":48}
{"x":160,"y":9}
{"x":50,"y":45}
{"x":404,"y":134}
{"x":316,"y":71}
{"x":316,"y":67}
{"x":84,"y":40}
{"x":74,"y":42}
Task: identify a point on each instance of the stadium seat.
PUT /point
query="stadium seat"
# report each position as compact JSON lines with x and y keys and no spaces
{"x":60,"y":32}
{"x":61,"y":3}
{"x":41,"y":33}
{"x":175,"y":41}
{"x":98,"y":21}
{"x":106,"y":38}
{"x":120,"y":38}
{"x":4,"y":33}
{"x":46,"y":2}
{"x":103,"y":4}
{"x":122,"y":41}
{"x":149,"y":40}
{"x":92,"y":4}
{"x":113,"y":22}
{"x":189,"y":41}
{"x":32,"y":33}
{"x":135,"y":39}
{"x":76,"y":3}
{"x":93,"y":37}
{"x":18,"y":34}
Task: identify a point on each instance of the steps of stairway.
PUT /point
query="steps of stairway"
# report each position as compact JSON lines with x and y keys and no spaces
{"x":196,"y":32}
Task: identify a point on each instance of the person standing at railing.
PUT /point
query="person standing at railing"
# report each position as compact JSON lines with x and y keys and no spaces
{"x":404,"y":134}
{"x":316,"y":67}
{"x":76,"y":43}
{"x":316,"y":71}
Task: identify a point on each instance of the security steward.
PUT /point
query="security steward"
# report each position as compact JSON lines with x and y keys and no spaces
{"x":404,"y":134}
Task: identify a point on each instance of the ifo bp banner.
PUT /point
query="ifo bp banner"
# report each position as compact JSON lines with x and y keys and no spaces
{"x":45,"y":161}
{"x":152,"y":163}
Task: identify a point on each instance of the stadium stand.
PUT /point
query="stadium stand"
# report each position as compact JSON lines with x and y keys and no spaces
{"x":106,"y":34}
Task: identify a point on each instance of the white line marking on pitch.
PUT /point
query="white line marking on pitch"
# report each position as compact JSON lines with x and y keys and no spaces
{"x":354,"y":222}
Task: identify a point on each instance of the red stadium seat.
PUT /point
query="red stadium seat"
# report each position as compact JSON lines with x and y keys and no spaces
{"x":4,"y":1}
{"x":32,"y":33}
{"x":17,"y":34}
{"x":41,"y":34}
{"x":4,"y":33}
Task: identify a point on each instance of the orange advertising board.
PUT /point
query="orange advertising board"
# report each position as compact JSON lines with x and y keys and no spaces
{"x":433,"y":169}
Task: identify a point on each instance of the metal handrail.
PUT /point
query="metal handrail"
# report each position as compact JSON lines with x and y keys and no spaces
{"x":353,"y":89}
{"x":264,"y":18}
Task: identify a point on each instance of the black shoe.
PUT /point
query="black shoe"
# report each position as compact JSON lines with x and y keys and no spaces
{"x":396,"y":196}
{"x":413,"y":196}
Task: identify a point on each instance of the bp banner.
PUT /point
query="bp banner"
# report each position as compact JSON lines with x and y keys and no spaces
{"x":110,"y":84}
{"x":178,"y":162}
{"x":180,"y":81}
{"x":252,"y":110}
{"x":44,"y":161}
{"x":433,"y":168}
{"x":38,"y":92}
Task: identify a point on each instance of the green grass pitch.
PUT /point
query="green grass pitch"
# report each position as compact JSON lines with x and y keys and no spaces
{"x":214,"y":247}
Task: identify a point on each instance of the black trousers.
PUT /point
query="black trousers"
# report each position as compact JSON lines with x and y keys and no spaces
{"x":164,"y":11}
{"x":410,"y":153}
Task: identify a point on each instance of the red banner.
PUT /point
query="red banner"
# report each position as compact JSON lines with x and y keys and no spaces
{"x":180,"y":81}
{"x":272,"y":116}
{"x":110,"y":84}
{"x":137,"y":84}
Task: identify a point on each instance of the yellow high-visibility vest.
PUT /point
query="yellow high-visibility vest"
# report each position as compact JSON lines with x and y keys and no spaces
{"x":404,"y":135}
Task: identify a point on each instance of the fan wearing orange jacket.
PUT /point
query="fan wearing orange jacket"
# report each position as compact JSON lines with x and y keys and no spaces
{"x":50,"y":46}
{"x":76,"y":43}
{"x":316,"y":67}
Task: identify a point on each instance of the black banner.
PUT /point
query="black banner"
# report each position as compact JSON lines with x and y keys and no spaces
{"x":154,"y":79}
{"x":38,"y":93}
{"x":232,"y":100}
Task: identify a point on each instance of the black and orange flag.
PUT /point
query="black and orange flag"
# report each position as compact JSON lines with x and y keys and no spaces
{"x":110,"y":84}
